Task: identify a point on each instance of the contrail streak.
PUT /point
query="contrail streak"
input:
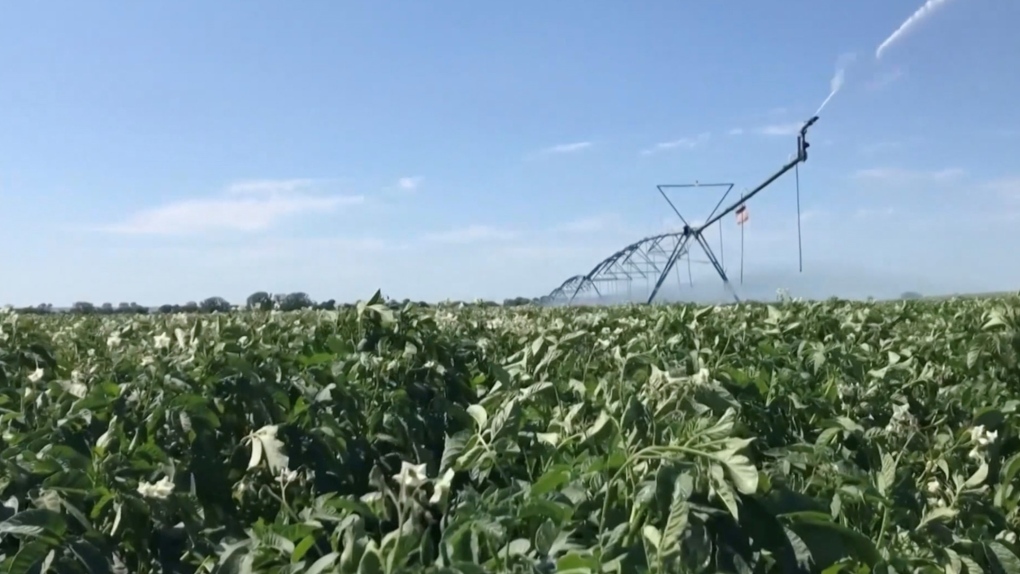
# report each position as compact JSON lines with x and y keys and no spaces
{"x":922,"y":12}
{"x":837,"y":81}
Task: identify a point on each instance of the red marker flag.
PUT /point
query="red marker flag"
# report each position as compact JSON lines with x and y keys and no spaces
{"x":742,"y":215}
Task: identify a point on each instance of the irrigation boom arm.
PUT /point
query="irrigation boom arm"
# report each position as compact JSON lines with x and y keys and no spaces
{"x":696,"y":233}
{"x":802,"y":146}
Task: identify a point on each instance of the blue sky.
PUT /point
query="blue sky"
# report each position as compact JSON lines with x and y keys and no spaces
{"x":172,"y":150}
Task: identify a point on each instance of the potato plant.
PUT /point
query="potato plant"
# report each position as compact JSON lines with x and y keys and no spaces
{"x":794,"y":437}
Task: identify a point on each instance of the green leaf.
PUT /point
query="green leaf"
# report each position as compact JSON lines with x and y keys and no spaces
{"x":859,"y":545}
{"x":34,"y":523}
{"x":574,"y":561}
{"x":552,"y":479}
{"x":545,"y":536}
{"x":995,"y":319}
{"x":518,"y":547}
{"x":972,"y":356}
{"x":302,"y":548}
{"x":478,"y":413}
{"x":801,"y":552}
{"x":327,"y":561}
{"x":452,"y":449}
{"x":600,"y":423}
{"x":90,"y":557}
{"x":652,"y":535}
{"x":371,"y":562}
{"x":741,"y":471}
{"x":1010,"y":469}
{"x":978,"y":477}
{"x":840,"y":567}
{"x":676,"y":521}
{"x":460,"y":567}
{"x":972,"y":566}
{"x":955,"y":565}
{"x":236,"y":559}
{"x":938,"y":514}
{"x":29,"y":556}
{"x":1007,"y":560}
{"x":887,"y":475}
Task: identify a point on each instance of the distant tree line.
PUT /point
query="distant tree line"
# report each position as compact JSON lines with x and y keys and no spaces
{"x":260,"y":300}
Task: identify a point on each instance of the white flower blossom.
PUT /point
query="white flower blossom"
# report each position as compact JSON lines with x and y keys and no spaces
{"x":78,"y":390}
{"x":933,"y":486}
{"x":162,"y":341}
{"x":981,"y":436}
{"x":370,"y":497}
{"x":702,"y":377}
{"x":287,"y":476}
{"x":901,"y":418}
{"x":901,"y":411}
{"x":410,"y":475}
{"x":113,"y":340}
{"x":160,"y":489}
{"x":134,"y":397}
{"x":441,"y":487}
{"x":36,"y":375}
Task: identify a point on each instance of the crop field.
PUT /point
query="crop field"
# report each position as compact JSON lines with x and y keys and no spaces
{"x":794,"y":437}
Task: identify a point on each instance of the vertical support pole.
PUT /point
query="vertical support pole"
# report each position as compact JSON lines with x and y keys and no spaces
{"x":722,"y":251}
{"x":741,"y":249}
{"x":715,"y":263}
{"x":800,"y":246}
{"x":673,"y":256}
{"x":584,"y":280}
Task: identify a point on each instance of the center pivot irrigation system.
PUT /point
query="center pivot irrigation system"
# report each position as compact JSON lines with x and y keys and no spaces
{"x":656,"y":256}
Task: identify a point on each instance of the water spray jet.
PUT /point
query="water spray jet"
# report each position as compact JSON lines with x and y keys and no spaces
{"x":920,"y":14}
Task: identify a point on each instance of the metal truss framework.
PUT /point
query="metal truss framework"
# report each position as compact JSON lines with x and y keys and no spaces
{"x":645,"y":260}
{"x":656,"y":256}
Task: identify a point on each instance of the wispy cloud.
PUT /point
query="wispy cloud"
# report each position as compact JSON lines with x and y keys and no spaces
{"x":683,"y":143}
{"x":566,"y":148}
{"x":812,"y":214}
{"x":785,"y":129}
{"x":879,"y":147}
{"x":246,"y":206}
{"x":901,"y":175}
{"x":471,"y":234}
{"x":284,"y":248}
{"x":775,"y":125}
{"x":270,"y":186}
{"x":874,"y":213}
{"x":583,"y":253}
{"x":587,"y":224}
{"x":262,"y":249}
{"x":884,"y":79}
{"x":410,"y":183}
{"x":1007,"y":188}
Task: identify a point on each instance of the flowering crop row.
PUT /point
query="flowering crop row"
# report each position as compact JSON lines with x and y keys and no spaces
{"x":795,"y":437}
